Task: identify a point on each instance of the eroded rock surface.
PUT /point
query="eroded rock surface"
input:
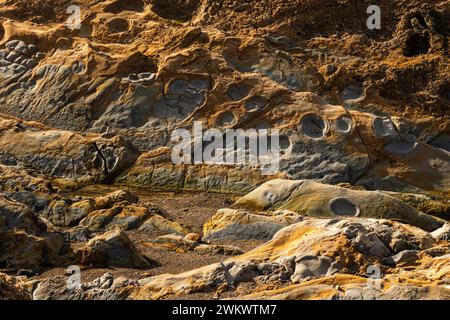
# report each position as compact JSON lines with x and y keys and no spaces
{"x":357,"y":118}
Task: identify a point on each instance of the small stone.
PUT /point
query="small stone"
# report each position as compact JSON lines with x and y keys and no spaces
{"x":406,"y":256}
{"x":12,"y":56}
{"x":40,"y":55}
{"x":30,"y":63}
{"x":12,"y":44}
{"x":32,"y":48}
{"x":4,"y":63}
{"x":22,"y":47}
{"x":3,"y":53}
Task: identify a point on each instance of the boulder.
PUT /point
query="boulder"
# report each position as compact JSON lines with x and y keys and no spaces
{"x":231,"y":224}
{"x":321,"y":200}
{"x":111,"y":249}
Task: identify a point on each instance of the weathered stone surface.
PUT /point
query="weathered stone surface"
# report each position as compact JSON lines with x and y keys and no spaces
{"x":316,"y":199}
{"x":12,"y":288}
{"x":107,"y":201}
{"x":62,"y":153}
{"x":315,"y":248}
{"x":111,"y":249}
{"x":241,"y":224}
{"x":24,"y":239}
{"x":361,"y":172}
{"x":61,"y":213}
{"x":160,"y":223}
{"x":104,"y":288}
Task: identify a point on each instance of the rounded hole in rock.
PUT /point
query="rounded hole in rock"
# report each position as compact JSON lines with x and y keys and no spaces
{"x":136,"y":63}
{"x":226,"y":119}
{"x":178,"y":86}
{"x":2,"y":33}
{"x":353,"y":92}
{"x":416,"y":44}
{"x":117,"y":25}
{"x":255,"y":103}
{"x":180,"y":10}
{"x":344,"y":124}
{"x":343,"y":207}
{"x":284,"y":144}
{"x":383,"y":127}
{"x":199,"y":84}
{"x":238,"y":91}
{"x":313,"y":126}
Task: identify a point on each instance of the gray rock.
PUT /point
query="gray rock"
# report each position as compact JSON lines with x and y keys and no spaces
{"x":40,"y":55}
{"x":312,"y":266}
{"x":4,"y":63}
{"x":3,"y":53}
{"x":22,"y":48}
{"x":104,"y":288}
{"x":32,"y":48}
{"x":12,"y":44}
{"x":406,"y":256}
{"x":30,"y":63}
{"x":12,"y":56}
{"x":442,"y":233}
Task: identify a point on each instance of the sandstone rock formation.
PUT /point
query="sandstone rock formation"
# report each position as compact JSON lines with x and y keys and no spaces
{"x":114,"y":249}
{"x":351,"y":200}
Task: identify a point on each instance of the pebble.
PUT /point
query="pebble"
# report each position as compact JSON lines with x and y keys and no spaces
{"x":40,"y":55}
{"x":30,"y":63}
{"x":32,"y":48}
{"x":12,"y":44}
{"x":12,"y":56}
{"x":3,"y":53}
{"x":22,"y":47}
{"x":4,"y":63}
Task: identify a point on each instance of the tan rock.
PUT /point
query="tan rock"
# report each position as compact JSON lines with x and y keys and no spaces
{"x":316,"y":199}
{"x":12,"y":288}
{"x":240,"y":224}
{"x":107,"y":201}
{"x":111,"y":249}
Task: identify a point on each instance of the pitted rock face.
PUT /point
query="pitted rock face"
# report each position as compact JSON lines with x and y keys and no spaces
{"x":356,"y":173}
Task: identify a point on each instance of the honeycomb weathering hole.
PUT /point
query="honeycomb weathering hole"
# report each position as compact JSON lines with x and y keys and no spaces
{"x":226,"y":119}
{"x":353,"y":92}
{"x":117,"y":25}
{"x":2,"y":32}
{"x":285,"y":142}
{"x":238,"y":91}
{"x":383,"y":127}
{"x":255,"y":103}
{"x":343,"y":207}
{"x":344,"y":124}
{"x":313,"y":126}
{"x":181,"y":10}
{"x":136,"y":63}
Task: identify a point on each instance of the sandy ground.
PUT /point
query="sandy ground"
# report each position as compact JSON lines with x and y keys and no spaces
{"x":192,"y":209}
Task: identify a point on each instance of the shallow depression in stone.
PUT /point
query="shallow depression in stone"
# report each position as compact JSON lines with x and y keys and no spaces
{"x":343,"y":207}
{"x":313,"y":126}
